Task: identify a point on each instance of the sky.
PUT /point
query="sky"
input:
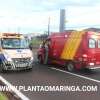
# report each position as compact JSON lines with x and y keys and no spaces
{"x":31,"y":16}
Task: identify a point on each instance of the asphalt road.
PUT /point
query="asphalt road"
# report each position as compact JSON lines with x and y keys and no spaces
{"x":44,"y":75}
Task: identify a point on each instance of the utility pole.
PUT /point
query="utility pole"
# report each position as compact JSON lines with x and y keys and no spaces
{"x":62,"y":20}
{"x":48,"y":26}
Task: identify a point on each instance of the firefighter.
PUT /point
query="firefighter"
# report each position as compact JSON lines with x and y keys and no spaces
{"x":43,"y":58}
{"x":46,"y":51}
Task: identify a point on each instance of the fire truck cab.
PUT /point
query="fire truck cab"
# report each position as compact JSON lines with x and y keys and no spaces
{"x":72,"y":49}
{"x":14,"y":52}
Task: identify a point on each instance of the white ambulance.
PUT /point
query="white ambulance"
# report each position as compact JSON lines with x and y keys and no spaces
{"x":14,"y":52}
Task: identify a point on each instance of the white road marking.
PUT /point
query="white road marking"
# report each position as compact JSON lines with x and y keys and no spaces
{"x":76,"y":75}
{"x":18,"y":93}
{"x":95,"y":68}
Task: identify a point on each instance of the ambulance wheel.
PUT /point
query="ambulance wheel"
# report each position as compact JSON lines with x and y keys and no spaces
{"x":70,"y":67}
{"x":30,"y":69}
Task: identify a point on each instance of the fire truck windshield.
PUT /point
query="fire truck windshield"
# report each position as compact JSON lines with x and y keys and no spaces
{"x":13,"y":43}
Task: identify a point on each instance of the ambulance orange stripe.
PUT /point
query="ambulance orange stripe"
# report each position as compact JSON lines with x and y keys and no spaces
{"x":71,"y":45}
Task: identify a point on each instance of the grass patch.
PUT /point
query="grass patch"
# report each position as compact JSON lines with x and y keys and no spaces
{"x":3,"y":96}
{"x":36,"y":42}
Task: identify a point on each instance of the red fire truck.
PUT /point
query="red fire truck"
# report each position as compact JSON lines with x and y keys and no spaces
{"x":72,"y":49}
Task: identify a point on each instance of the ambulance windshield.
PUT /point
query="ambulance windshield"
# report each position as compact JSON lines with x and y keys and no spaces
{"x":13,"y":43}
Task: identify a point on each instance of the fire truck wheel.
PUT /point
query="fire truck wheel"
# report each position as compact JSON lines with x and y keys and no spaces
{"x":70,"y":67}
